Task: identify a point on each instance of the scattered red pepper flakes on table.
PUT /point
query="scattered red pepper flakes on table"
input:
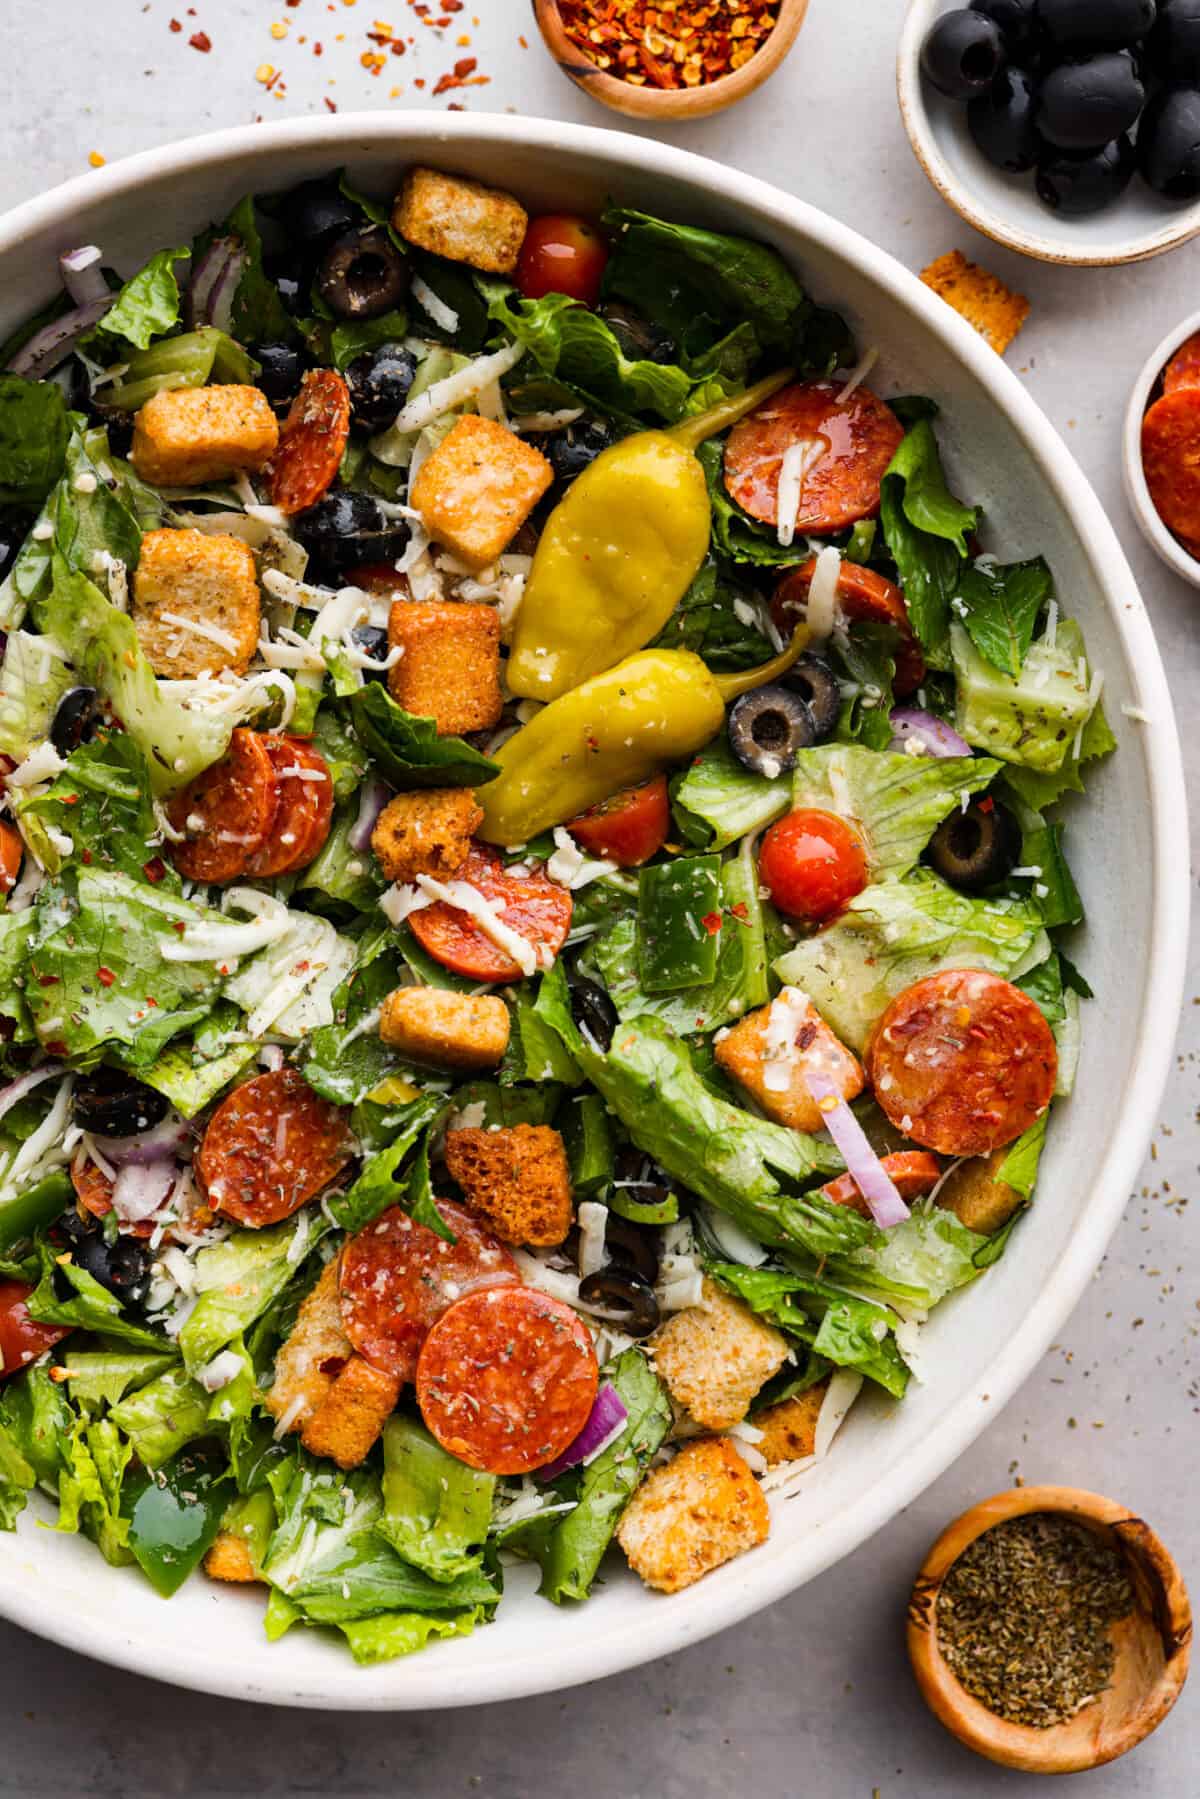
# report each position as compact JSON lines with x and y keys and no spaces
{"x":672,"y":44}
{"x":200,"y":40}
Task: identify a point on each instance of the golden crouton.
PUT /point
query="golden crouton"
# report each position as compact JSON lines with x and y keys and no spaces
{"x":981,"y":298}
{"x":715,"y":1356}
{"x":230,"y":1558}
{"x":976,"y":1197}
{"x":348,"y":1421}
{"x":188,"y":435}
{"x":475,"y":491}
{"x":315,"y":1352}
{"x":450,"y":669}
{"x":426,"y":833}
{"x":774,"y":1075}
{"x":450,"y":1030}
{"x":188,"y":583}
{"x":461,"y":219}
{"x":517,"y":1178}
{"x":702,"y":1509}
{"x":790,"y":1428}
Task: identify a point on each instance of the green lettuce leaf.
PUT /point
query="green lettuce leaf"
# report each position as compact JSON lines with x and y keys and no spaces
{"x":348,"y":1057}
{"x":719,"y":801}
{"x":896,"y":802}
{"x":258,"y":315}
{"x":918,"y":1261}
{"x":711,"y":620}
{"x":387,"y":1181}
{"x":102,"y":1377}
{"x":696,"y":283}
{"x":435,"y":1509}
{"x":92,"y":511}
{"x":102,"y":801}
{"x":33,"y":439}
{"x":735,"y":535}
{"x":32,"y":682}
{"x":1032,"y":721}
{"x":382,"y":1639}
{"x":925,"y":528}
{"x":159,"y":1418}
{"x":847,"y":1331}
{"x":192,"y":1074}
{"x":237,"y":1280}
{"x":574,"y":345}
{"x":408,"y":751}
{"x":1019,"y":1168}
{"x":88,"y":1306}
{"x":95,"y":1458}
{"x":147,"y":306}
{"x":999,"y":604}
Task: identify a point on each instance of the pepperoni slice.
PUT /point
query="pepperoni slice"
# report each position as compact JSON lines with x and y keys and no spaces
{"x":379,"y":578}
{"x":397,"y":1277}
{"x":269,"y":1147}
{"x":507,"y":1379}
{"x":1171,"y":459}
{"x":226,"y":813}
{"x":963,"y":1062}
{"x":913,"y":1173}
{"x":311,"y":443}
{"x":529,"y":904}
{"x":854,"y":437}
{"x":305,"y":810}
{"x":1183,"y":370}
{"x":861,"y":595}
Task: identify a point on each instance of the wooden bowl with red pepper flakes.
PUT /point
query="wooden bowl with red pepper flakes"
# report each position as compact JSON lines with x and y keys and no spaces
{"x":669,"y":62}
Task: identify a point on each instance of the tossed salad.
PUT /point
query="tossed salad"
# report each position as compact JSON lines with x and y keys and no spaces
{"x":529,"y":959}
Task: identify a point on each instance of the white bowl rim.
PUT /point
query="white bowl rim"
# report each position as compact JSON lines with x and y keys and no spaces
{"x":1145,"y":511}
{"x":714,"y":1604}
{"x":1168,"y":235}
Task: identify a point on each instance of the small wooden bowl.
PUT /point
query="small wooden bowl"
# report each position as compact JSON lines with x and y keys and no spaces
{"x":669,"y":105}
{"x":1152,"y":1645}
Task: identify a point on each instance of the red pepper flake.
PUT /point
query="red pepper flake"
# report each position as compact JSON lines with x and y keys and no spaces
{"x":711,"y":922}
{"x":48,"y":980}
{"x":151,"y":1001}
{"x":200,"y":40}
{"x":331,"y":104}
{"x":154,"y":870}
{"x":319,"y":50}
{"x":176,"y":25}
{"x":105,"y":976}
{"x":86,"y":858}
{"x":987,"y":803}
{"x":179,"y":926}
{"x":683,"y":45}
{"x":70,"y":799}
{"x":740,"y":911}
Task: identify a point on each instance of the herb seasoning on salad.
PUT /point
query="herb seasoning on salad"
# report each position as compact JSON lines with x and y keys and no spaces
{"x":506,"y":1022}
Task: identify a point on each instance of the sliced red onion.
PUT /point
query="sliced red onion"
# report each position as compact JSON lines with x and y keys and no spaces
{"x":82,"y":275}
{"x":140,"y":1189}
{"x":936,"y":738}
{"x":55,"y":341}
{"x":214,"y":283}
{"x":371,"y":801}
{"x":25,"y":1083}
{"x":874,"y":1182}
{"x":144,"y":1147}
{"x":609,"y":1416}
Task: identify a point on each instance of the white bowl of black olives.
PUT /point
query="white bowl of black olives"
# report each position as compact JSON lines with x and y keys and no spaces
{"x":1067,"y":129}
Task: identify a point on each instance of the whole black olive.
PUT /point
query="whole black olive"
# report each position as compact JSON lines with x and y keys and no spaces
{"x":1173,"y":47}
{"x":372,"y":639}
{"x":122,"y":1266}
{"x":641,"y":340}
{"x":1078,"y":185}
{"x":1168,"y":146}
{"x":593,"y":1011}
{"x":363,"y":275}
{"x":1017,"y":20}
{"x":281,"y":367}
{"x":962,"y":54}
{"x":628,"y":1300}
{"x":1096,"y":24}
{"x":574,"y":448}
{"x":1083,"y":105}
{"x":75,"y":719}
{"x":379,"y":381}
{"x":316,"y":211}
{"x":110,"y":1103}
{"x":813,"y":679}
{"x":768,"y":727}
{"x":14,"y":528}
{"x":630,"y":1245}
{"x":976,"y":848}
{"x":345,"y":529}
{"x":292,"y":274}
{"x":1002,"y":122}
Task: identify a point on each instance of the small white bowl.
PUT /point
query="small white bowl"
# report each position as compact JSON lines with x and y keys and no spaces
{"x":1006,"y":207}
{"x":1145,"y":511}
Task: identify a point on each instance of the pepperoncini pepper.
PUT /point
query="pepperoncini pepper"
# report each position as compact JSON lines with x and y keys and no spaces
{"x":615,"y":730}
{"x":619,"y":552}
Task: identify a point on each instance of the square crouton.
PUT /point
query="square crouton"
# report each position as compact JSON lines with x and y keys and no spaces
{"x":230,"y":1558}
{"x":702,"y":1509}
{"x":475,"y":491}
{"x":977,"y":1197}
{"x":450,"y":669}
{"x":461,"y":219}
{"x":187,"y":435}
{"x":426,"y":833}
{"x":714,"y":1357}
{"x":981,"y":298}
{"x":347,"y":1423}
{"x":770,"y":1052}
{"x":517,"y":1178}
{"x":195,"y":603}
{"x":790,"y":1428}
{"x":449,"y":1030}
{"x":314,"y":1354}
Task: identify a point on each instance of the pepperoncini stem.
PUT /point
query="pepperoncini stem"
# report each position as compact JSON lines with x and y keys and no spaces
{"x":730,"y":686}
{"x":692,"y":432}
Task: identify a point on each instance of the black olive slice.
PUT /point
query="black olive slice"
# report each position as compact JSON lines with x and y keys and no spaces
{"x":593,"y":1011}
{"x":628,"y":1300}
{"x":75,"y":719}
{"x":630,"y":1245}
{"x":112,"y":1104}
{"x":813,"y":679}
{"x":976,"y":848}
{"x":122,"y":1267}
{"x":767,"y":727}
{"x":363,"y":275}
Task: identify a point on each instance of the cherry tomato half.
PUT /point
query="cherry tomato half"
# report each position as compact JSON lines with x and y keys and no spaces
{"x":813,"y":864}
{"x":629,"y":828}
{"x":22,"y":1338}
{"x":562,"y":255}
{"x":11,"y":851}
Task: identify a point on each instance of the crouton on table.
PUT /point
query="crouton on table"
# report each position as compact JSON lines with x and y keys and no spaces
{"x":517,"y":1178}
{"x":450,"y":1030}
{"x":475,"y":491}
{"x":195,"y":603}
{"x":313,"y":1354}
{"x":450,"y":667}
{"x":426,"y":833}
{"x":186,"y":435}
{"x":980,"y":297}
{"x":770,"y":1052}
{"x":347,"y":1423}
{"x":461,"y":219}
{"x":230,"y":1559}
{"x":976,"y":1195}
{"x":790,"y":1428}
{"x":702,"y":1509}
{"x":714,"y":1357}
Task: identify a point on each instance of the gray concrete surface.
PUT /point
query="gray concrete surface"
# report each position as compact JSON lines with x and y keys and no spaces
{"x":814,"y":1696}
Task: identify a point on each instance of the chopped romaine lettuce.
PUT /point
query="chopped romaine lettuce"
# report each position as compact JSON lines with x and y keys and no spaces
{"x":408,"y":751}
{"x":719,"y":801}
{"x":848,"y":1331}
{"x":147,"y":305}
{"x":235,"y":1282}
{"x":577,"y":346}
{"x":95,"y":1458}
{"x":896,"y":802}
{"x":102,"y":801}
{"x":925,"y":529}
{"x":1033,"y":720}
{"x":435,"y":1509}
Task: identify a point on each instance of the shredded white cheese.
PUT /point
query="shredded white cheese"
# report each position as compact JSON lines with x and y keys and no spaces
{"x":859,"y":374}
{"x":592,"y":1219}
{"x":455,"y":390}
{"x":443,"y":316}
{"x":787,"y":1015}
{"x":570,"y":867}
{"x":797,"y":460}
{"x":821,"y":613}
{"x":468,"y":899}
{"x":193,"y":627}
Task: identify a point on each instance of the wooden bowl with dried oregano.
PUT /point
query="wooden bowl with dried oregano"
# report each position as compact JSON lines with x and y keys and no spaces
{"x":1049,"y":1629}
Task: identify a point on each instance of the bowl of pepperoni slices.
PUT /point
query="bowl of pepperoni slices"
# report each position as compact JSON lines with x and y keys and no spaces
{"x":568,"y":1033}
{"x":1161,"y":447}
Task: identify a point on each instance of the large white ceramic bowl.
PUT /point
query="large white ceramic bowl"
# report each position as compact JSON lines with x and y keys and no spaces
{"x":1126,"y":848}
